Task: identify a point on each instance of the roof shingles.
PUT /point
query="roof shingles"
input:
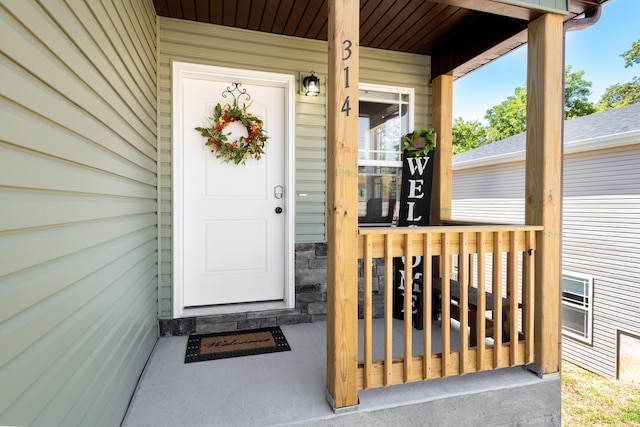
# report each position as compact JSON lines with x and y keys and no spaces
{"x":611,"y":122}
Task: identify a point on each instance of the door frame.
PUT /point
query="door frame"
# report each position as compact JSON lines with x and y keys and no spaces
{"x":179,"y":71}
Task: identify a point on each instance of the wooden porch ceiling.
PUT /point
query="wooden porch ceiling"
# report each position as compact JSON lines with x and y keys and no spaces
{"x":459,"y":35}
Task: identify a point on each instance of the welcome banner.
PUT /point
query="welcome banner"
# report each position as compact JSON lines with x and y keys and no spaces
{"x":415,"y":209}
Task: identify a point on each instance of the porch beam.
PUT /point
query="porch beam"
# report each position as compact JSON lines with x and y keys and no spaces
{"x":463,"y":53}
{"x":342,"y":204}
{"x":544,"y":180}
{"x":442,"y":92}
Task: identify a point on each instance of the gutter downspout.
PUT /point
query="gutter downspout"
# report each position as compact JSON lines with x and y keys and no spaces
{"x":590,"y":18}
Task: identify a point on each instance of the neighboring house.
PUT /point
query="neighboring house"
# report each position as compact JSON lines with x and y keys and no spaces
{"x":601,"y":236}
{"x":105,"y":187}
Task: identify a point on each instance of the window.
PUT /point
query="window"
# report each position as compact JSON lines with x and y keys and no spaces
{"x":577,"y":306}
{"x":385,"y":117}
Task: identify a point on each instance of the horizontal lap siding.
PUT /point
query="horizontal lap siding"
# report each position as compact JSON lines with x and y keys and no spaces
{"x":601,"y":237}
{"x":200,"y":43}
{"x":493,"y":194}
{"x":78,"y":209}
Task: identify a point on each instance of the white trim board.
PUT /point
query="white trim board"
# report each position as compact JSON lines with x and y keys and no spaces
{"x":180,"y":70}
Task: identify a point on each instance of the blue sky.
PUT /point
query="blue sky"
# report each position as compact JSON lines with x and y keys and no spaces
{"x":595,"y":50}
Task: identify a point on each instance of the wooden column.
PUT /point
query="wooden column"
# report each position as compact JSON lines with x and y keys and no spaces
{"x":544,"y":180}
{"x":342,"y":203}
{"x":442,"y":92}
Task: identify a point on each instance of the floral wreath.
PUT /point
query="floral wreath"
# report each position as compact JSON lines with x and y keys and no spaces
{"x":418,"y":144}
{"x":240,"y":150}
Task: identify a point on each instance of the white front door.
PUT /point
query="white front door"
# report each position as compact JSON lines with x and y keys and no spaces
{"x":234,"y":227}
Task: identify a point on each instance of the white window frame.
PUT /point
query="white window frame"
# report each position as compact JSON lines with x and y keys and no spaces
{"x":586,"y":306}
{"x":404,"y":97}
{"x":397,"y":90}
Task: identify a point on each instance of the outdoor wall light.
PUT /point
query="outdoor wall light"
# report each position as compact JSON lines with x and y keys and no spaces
{"x":311,"y":85}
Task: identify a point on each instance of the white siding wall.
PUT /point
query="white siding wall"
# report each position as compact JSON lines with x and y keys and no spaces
{"x":601,"y":238}
{"x":601,"y":235}
{"x":489,"y":193}
{"x":195,"y":42}
{"x":78,"y":236}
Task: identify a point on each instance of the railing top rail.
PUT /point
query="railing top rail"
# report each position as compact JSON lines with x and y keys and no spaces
{"x":447,"y":229}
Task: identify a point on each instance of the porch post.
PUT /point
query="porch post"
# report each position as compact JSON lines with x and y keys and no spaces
{"x":544,"y":180}
{"x":442,"y":117}
{"x":342,"y":203}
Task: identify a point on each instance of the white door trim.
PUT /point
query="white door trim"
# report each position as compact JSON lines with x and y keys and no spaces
{"x":181,"y":70}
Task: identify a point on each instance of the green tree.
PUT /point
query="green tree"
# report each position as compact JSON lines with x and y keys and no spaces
{"x":632,"y":56}
{"x":467,"y":135}
{"x":576,"y":95}
{"x":619,"y":95}
{"x":509,"y":117}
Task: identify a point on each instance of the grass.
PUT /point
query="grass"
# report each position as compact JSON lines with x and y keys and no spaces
{"x":589,"y":399}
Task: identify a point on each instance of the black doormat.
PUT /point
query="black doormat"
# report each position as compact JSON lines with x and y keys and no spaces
{"x":232,"y":344}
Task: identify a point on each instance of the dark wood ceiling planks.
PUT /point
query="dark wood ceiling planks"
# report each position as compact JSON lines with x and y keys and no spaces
{"x":460,"y":35}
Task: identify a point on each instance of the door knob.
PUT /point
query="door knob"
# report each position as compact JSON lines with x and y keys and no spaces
{"x":278,"y":210}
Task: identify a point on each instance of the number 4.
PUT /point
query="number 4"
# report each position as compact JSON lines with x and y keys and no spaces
{"x":346,"y":107}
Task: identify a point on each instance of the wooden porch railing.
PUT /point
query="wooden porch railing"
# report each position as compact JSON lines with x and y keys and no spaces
{"x":509,"y":275}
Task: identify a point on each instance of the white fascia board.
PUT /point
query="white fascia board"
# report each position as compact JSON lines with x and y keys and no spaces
{"x":600,"y":142}
{"x":492,"y":160}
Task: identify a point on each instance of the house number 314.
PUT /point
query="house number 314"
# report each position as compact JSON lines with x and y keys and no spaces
{"x":346,"y":107}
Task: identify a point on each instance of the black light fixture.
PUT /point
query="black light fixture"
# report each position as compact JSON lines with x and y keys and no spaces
{"x":311,"y":85}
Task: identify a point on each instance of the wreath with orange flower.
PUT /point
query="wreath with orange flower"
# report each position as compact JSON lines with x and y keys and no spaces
{"x":239,"y":151}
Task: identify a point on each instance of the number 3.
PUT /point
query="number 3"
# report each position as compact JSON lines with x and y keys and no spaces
{"x":347,"y":49}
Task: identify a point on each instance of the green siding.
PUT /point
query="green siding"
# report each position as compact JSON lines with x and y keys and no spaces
{"x":78,"y":208}
{"x":194,"y":42}
{"x":557,"y":6}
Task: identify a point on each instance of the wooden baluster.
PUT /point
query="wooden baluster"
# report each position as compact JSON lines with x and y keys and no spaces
{"x":481,"y":320}
{"x":408,"y":306}
{"x":496,"y":289}
{"x":388,"y":309}
{"x":512,"y":295}
{"x":528,"y":308}
{"x":427,"y":297}
{"x":445,"y":309}
{"x":463,"y":283}
{"x":368,"y":311}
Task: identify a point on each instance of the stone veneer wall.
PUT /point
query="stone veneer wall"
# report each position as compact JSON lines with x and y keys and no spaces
{"x":311,"y":299}
{"x":311,"y":282}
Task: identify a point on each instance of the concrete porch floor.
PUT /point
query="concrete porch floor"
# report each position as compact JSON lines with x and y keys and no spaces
{"x":288,"y":388}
